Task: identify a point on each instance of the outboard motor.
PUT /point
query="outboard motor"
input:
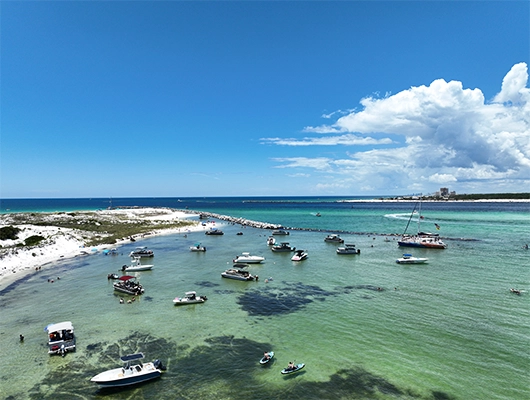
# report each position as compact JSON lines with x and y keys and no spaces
{"x":158,"y":365}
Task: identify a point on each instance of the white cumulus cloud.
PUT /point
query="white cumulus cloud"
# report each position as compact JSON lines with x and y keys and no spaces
{"x":448,"y":134}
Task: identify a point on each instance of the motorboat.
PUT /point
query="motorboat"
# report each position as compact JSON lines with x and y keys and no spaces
{"x":247,"y":258}
{"x":267,"y":356}
{"x":214,"y":231}
{"x":197,"y":247}
{"x":409,"y":259}
{"x":131,"y":374}
{"x":299,"y":255}
{"x":271,"y":240}
{"x":424,"y":240}
{"x":136,"y":265}
{"x":113,"y":276}
{"x":141,"y":252}
{"x":283,"y":247}
{"x":129,"y":285}
{"x":280,"y":232}
{"x":293,"y":368}
{"x":238,"y":274}
{"x":333,"y":238}
{"x":348,"y":249}
{"x":61,"y":338}
{"x":189,"y":298}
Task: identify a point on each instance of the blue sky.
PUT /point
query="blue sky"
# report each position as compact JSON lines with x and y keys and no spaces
{"x":250,"y":98}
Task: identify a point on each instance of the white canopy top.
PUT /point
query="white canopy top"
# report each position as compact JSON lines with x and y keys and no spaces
{"x":61,"y":326}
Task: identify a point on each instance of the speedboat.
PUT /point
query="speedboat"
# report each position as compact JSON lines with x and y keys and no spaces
{"x":283,"y":247}
{"x":299,"y":255}
{"x":408,"y":259}
{"x":348,"y":249}
{"x":130,"y":374}
{"x":333,"y":238}
{"x":128,"y":284}
{"x":189,"y":298}
{"x":61,"y":338}
{"x":197,"y":247}
{"x":280,"y":232}
{"x":136,"y":265}
{"x":238,"y":274}
{"x":142,"y":252}
{"x":294,"y":368}
{"x":266,"y":357}
{"x":214,"y":231}
{"x":247,"y":258}
{"x":271,"y":240}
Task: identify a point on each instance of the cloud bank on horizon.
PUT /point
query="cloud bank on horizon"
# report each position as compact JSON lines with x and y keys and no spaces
{"x":446,"y":134}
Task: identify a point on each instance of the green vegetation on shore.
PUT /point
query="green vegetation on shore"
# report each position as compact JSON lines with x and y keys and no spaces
{"x":96,"y":229}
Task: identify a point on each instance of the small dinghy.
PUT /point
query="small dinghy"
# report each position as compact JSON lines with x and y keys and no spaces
{"x":266,"y":357}
{"x":292,"y":368}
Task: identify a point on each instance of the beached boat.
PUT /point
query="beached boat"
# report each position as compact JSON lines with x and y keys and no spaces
{"x":142,"y":252}
{"x":214,"y":232}
{"x":333,"y":238}
{"x":248,"y":258}
{"x":280,"y":232}
{"x":348,"y":249}
{"x":423,"y":240}
{"x":283,"y":247}
{"x":128,"y":284}
{"x":189,"y":298}
{"x":130,"y":374}
{"x":197,"y":247}
{"x":61,"y":338}
{"x":238,"y":274}
{"x":271,"y":240}
{"x":136,"y":265}
{"x":299,"y":255}
{"x":409,"y":259}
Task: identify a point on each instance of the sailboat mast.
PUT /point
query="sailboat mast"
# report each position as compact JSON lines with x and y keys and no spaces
{"x":419,"y":215}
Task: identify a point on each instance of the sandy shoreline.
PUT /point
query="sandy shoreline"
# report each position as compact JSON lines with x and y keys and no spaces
{"x":62,"y":243}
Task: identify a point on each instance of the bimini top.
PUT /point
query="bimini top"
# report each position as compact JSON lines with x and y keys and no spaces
{"x":61,"y":326}
{"x":191,"y":293}
{"x":126,"y":277}
{"x":132,"y":357}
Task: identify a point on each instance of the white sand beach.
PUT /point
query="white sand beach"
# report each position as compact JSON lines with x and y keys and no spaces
{"x":61,"y":243}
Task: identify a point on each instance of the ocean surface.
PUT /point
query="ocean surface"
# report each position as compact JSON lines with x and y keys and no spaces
{"x":366,"y":327}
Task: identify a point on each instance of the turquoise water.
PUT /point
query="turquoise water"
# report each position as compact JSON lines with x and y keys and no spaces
{"x":449,"y":329}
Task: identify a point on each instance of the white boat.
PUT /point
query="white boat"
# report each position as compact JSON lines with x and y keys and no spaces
{"x":280,"y":232}
{"x":136,"y":265}
{"x":197,"y":247}
{"x":409,"y":259}
{"x":142,"y":252}
{"x":299,"y":255}
{"x":283,"y":247}
{"x":130,"y":374}
{"x":423,"y":240}
{"x":128,"y":284}
{"x":247,"y":258}
{"x":333,"y":238}
{"x":271,"y":240}
{"x":61,"y":338}
{"x":189,"y":298}
{"x":239,"y":275}
{"x":348,"y":249}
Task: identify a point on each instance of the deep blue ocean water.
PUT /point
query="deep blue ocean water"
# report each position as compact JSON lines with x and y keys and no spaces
{"x":449,"y":329}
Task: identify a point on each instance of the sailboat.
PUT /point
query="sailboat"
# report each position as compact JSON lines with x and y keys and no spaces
{"x":422,"y":239}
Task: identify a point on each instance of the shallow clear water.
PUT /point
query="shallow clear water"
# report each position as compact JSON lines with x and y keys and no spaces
{"x":449,"y":329}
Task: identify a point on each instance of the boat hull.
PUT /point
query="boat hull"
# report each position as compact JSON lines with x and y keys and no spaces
{"x":119,"y":377}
